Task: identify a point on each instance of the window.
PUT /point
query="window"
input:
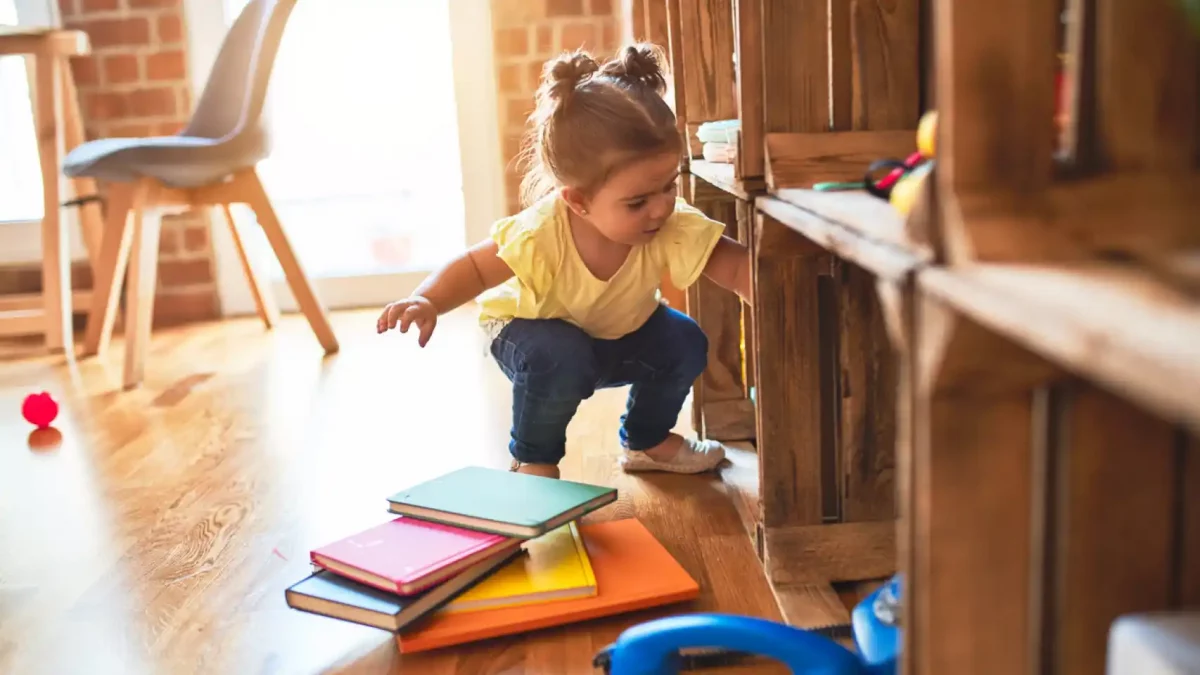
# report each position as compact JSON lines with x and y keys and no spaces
{"x":20,"y":170}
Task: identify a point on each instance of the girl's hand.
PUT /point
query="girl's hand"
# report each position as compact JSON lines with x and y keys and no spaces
{"x":413,"y":310}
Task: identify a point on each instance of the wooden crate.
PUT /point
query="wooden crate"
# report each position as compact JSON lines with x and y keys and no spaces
{"x":1050,"y":467}
{"x":821,"y":90}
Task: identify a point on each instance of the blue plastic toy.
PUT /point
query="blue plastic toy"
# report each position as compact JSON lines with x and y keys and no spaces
{"x":654,"y":647}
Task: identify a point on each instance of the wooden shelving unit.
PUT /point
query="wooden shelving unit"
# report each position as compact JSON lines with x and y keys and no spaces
{"x":999,"y":395}
{"x":820,"y":90}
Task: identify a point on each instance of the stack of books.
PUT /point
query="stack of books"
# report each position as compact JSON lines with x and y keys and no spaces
{"x":479,"y":553}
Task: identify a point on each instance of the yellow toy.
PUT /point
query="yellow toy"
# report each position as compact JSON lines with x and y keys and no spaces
{"x":904,"y":192}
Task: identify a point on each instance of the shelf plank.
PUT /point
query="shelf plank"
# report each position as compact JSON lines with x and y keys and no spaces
{"x":1120,"y":326}
{"x":854,"y":225}
{"x":721,"y":176}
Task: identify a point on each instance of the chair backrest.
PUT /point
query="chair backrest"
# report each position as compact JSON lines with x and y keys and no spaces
{"x":233,"y":97}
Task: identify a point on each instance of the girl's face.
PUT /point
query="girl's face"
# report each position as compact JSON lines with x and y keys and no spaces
{"x":634,"y":203}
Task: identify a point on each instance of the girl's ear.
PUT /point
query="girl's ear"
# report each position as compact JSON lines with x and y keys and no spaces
{"x":575,"y":199}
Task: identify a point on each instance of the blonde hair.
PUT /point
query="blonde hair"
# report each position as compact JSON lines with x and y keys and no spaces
{"x":591,"y":119}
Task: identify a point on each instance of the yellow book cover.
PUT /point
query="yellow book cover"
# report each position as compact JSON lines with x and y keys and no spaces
{"x":555,"y":566}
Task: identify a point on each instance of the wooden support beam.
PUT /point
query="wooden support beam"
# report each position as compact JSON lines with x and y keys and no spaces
{"x":808,"y":554}
{"x":799,"y":160}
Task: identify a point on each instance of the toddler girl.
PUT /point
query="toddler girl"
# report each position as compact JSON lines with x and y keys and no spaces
{"x":568,"y":286}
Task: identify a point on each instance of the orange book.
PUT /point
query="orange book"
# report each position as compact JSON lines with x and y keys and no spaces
{"x":633,"y":571}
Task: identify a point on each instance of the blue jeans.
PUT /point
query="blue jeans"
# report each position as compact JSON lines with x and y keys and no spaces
{"x":554,"y":365}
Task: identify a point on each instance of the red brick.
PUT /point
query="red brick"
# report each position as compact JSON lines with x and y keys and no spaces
{"x":152,"y":102}
{"x":184,"y":272}
{"x":93,"y":6}
{"x":517,"y":12}
{"x":130,"y":130}
{"x":518,"y":109}
{"x":535,"y":75}
{"x":168,"y":242}
{"x":170,"y":29}
{"x":609,"y":42}
{"x":512,"y":41}
{"x":578,"y":34}
{"x":545,"y":39}
{"x":510,"y":80}
{"x":121,"y":69}
{"x":140,"y":4}
{"x":564,"y":8}
{"x":512,"y":146}
{"x":102,"y":105}
{"x":168,"y":128}
{"x":66,"y":8}
{"x":195,"y":239}
{"x":105,"y":33}
{"x":166,"y":65}
{"x":85,"y":71}
{"x":172,"y":308}
{"x":602,"y":7}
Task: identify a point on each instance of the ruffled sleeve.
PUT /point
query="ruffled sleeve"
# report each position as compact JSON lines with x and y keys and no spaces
{"x":686,"y":242}
{"x":526,"y":242}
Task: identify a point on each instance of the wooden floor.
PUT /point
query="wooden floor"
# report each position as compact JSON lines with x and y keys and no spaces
{"x":154,"y":531}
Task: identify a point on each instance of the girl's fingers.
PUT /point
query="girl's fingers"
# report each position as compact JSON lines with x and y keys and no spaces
{"x":410,"y":313}
{"x":426,"y":325}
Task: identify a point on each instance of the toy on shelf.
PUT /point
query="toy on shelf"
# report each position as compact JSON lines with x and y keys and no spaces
{"x":656,"y":646}
{"x":40,"y":409}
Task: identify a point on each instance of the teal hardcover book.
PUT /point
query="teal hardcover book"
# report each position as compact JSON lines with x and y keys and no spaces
{"x":504,"y":502}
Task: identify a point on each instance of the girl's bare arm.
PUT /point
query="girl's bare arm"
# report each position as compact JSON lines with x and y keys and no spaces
{"x":729,"y":267}
{"x":462,"y":279}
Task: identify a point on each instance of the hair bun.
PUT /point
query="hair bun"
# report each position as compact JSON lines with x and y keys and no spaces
{"x":562,"y":75}
{"x":639,"y":64}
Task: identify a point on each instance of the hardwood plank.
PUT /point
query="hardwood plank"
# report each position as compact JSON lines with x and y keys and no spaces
{"x":811,"y":605}
{"x":1115,"y":524}
{"x":1147,"y":104}
{"x":800,"y":160}
{"x":972,"y":539}
{"x":795,"y":66}
{"x":886,"y":64}
{"x":707,"y":29}
{"x":729,"y":420}
{"x":867,"y":391}
{"x":855,"y":227}
{"x":1189,"y":523}
{"x":722,"y":176}
{"x":995,"y":103}
{"x":196,"y":498}
{"x":679,"y":85}
{"x":831,"y":552}
{"x":1115,"y":324}
{"x":745,"y":216}
{"x":789,"y":397}
{"x":748,"y":50}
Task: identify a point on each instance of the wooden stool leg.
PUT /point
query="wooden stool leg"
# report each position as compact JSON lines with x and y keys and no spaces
{"x":143,"y":274}
{"x":56,"y":257}
{"x":302,"y":288}
{"x":111,"y":262}
{"x":91,"y":218}
{"x":267,"y":310}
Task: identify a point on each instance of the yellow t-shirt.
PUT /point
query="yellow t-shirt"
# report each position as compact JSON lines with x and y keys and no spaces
{"x":551,"y":282}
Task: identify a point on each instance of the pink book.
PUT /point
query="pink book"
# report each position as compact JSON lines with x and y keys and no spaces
{"x":408,"y":555}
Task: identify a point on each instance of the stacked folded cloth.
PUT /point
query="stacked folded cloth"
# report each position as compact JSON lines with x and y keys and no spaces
{"x":719,"y":140}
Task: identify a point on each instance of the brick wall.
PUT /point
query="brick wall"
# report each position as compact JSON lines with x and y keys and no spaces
{"x":527,"y":33}
{"x":135,"y":83}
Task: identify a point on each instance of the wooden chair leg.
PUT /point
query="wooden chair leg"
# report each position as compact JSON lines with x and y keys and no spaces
{"x":91,"y":218}
{"x":302,"y":288}
{"x":111,"y":262}
{"x":263,"y":300}
{"x":143,"y":274}
{"x":56,"y":257}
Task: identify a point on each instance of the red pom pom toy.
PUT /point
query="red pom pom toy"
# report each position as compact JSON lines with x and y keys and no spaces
{"x":39,"y":409}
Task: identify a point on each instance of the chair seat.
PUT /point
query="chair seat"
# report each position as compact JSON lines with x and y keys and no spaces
{"x":176,"y":161}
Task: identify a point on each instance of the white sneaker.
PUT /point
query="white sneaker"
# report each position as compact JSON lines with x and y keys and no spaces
{"x":692,"y":457}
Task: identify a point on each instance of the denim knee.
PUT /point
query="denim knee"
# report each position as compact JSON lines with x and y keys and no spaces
{"x":548,"y":357}
{"x":692,"y":351}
